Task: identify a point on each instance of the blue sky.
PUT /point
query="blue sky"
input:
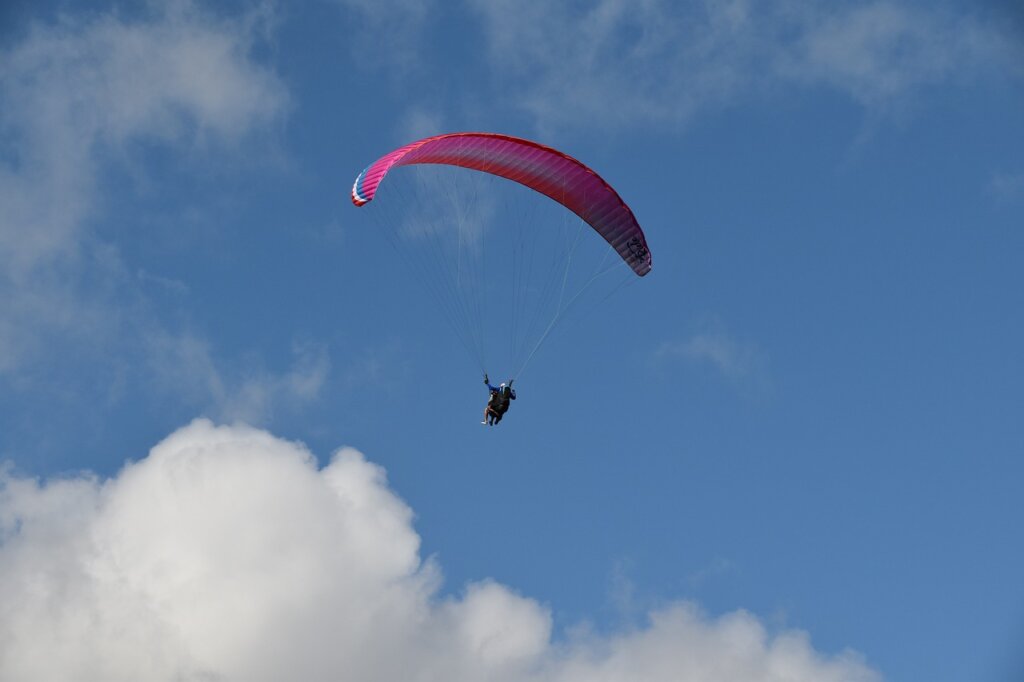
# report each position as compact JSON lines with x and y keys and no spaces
{"x":794,"y":449}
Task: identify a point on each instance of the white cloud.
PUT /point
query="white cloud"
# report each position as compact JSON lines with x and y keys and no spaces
{"x":79,"y":86}
{"x":386,"y":34}
{"x":880,"y":52}
{"x":167,"y":284}
{"x":76,"y":93}
{"x":228,"y":554}
{"x":732,"y":358}
{"x":417,"y":123}
{"x":615,"y":63}
{"x":1007,"y":187}
{"x":79,"y":96}
{"x":681,"y":644}
{"x":184,"y":365}
{"x":719,"y":566}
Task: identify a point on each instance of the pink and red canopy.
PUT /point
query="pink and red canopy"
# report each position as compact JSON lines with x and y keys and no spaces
{"x":543,"y":169}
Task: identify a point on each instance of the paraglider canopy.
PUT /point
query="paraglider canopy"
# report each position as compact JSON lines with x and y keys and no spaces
{"x":541,"y":168}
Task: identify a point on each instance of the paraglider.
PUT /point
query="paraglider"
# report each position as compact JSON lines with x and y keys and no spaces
{"x":498,"y":401}
{"x":451,"y":253}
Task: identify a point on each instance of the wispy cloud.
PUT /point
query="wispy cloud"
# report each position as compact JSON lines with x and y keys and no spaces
{"x":734,"y":359}
{"x":85,"y":85}
{"x":716,"y":568}
{"x":880,"y":53}
{"x":184,"y":365}
{"x":618,"y":64}
{"x":386,"y":34}
{"x":77,"y":94}
{"x":228,"y":554}
{"x":1007,"y":187}
{"x":168,"y":284}
{"x":615,"y":63}
{"x":420,"y":122}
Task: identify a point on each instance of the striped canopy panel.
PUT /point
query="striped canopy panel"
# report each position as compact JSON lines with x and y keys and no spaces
{"x":533,"y":165}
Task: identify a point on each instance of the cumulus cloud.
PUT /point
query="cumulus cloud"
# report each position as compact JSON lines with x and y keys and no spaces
{"x":229,"y":554}
{"x":615,"y":63}
{"x":76,"y":93}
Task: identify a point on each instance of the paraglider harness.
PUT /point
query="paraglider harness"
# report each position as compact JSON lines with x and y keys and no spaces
{"x":498,"y":403}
